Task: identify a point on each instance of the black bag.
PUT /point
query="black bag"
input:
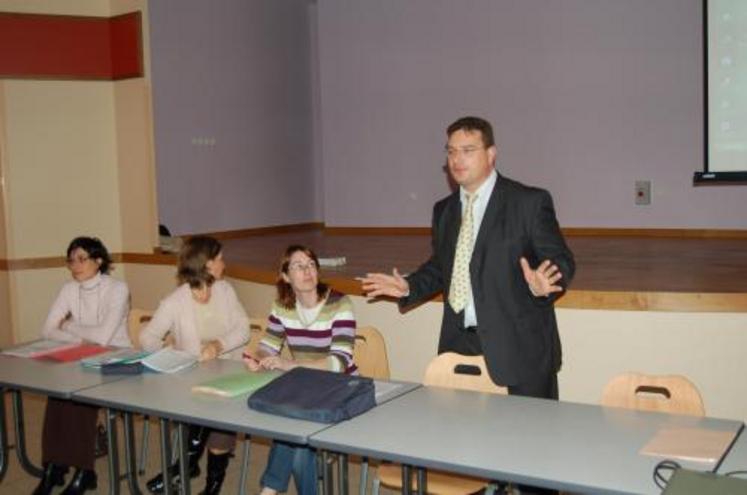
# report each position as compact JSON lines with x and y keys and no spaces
{"x":135,"y":368}
{"x":315,"y":395}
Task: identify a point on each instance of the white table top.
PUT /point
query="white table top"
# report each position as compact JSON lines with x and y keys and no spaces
{"x":561,"y":445}
{"x":50,"y":378}
{"x":170,"y":396}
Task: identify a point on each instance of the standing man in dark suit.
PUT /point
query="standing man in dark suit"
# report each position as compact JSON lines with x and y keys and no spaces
{"x":500,"y":260}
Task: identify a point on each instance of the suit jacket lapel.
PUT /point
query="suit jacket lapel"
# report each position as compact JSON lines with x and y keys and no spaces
{"x":491,"y":222}
{"x":452,"y":221}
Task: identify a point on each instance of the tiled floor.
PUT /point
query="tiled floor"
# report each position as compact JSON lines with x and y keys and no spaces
{"x":17,"y":481}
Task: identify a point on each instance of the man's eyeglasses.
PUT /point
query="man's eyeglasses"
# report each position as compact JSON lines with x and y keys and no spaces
{"x":302,"y":267}
{"x":78,"y":259}
{"x":466,"y":151}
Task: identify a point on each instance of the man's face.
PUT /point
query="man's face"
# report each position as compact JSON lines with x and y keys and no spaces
{"x":470,"y":162}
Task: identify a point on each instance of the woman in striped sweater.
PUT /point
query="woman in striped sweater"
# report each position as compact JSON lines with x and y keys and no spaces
{"x":318,"y":326}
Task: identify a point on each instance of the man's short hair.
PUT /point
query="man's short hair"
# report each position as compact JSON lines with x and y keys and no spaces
{"x":472,"y":124}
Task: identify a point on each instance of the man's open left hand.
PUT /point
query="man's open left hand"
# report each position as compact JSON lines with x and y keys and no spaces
{"x":543,"y":280}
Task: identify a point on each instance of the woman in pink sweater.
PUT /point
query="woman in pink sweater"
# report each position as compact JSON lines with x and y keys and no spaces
{"x":207,"y":320}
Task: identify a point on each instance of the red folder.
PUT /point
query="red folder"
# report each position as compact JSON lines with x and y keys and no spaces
{"x":76,"y":353}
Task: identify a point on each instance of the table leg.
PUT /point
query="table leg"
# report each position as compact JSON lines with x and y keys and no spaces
{"x":129,"y":430}
{"x":3,"y":437}
{"x":165,"y":455}
{"x":363,"y":485}
{"x":422,"y":482}
{"x":183,"y":458}
{"x":327,"y":481}
{"x":21,"y":452}
{"x":144,"y":447}
{"x":245,"y":464}
{"x":113,"y":451}
{"x":342,"y":474}
{"x":406,"y":480}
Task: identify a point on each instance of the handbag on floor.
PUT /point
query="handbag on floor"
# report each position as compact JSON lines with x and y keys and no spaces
{"x":315,"y":395}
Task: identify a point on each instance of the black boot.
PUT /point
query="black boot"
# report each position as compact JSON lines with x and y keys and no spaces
{"x":54,"y":475}
{"x":216,"y":472}
{"x":83,"y":480}
{"x":195,"y":448}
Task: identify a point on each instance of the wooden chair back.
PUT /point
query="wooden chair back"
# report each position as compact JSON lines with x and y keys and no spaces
{"x":662,"y":393}
{"x":452,"y":370}
{"x":136,"y":321}
{"x":370,"y":354}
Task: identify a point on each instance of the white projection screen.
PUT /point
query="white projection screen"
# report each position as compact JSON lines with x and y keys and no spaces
{"x":725,"y":49}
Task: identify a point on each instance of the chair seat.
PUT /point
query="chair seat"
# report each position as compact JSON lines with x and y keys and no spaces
{"x":439,"y":482}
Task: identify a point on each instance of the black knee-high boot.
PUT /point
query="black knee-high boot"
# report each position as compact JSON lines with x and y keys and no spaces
{"x":216,"y":473}
{"x":197,"y":436}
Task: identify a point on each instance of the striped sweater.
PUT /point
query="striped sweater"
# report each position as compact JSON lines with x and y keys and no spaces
{"x":331,"y":334}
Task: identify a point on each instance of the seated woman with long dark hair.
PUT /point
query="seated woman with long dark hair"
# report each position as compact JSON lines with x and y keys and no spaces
{"x":318,"y":326}
{"x":207,"y":320}
{"x":92,"y":307}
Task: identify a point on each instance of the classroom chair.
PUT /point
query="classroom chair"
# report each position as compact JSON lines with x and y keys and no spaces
{"x":663,"y":393}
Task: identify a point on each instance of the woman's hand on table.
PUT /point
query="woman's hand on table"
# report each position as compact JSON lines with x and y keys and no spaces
{"x":211,"y":350}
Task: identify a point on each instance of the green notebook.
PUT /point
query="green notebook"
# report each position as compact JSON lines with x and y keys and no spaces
{"x":236,"y":383}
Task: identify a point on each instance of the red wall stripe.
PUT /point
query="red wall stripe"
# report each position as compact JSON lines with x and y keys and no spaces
{"x":126,"y":46}
{"x":34,"y":46}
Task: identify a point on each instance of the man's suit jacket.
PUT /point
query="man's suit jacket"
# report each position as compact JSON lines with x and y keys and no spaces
{"x":518,"y":332}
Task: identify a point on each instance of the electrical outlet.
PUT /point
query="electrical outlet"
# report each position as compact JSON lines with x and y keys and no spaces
{"x":643,"y":192}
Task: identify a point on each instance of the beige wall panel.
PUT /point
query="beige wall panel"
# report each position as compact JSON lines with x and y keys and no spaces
{"x":134,"y":134}
{"x":708,"y":348}
{"x":149,"y":284}
{"x":6,"y":316}
{"x":124,"y":6}
{"x":256,"y":298}
{"x":61,"y":165}
{"x":33,"y":292}
{"x":66,"y":7}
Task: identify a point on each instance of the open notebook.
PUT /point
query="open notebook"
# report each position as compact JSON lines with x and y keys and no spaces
{"x":168,"y":360}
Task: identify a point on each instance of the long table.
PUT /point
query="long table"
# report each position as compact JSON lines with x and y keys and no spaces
{"x":560,"y":445}
{"x":53,"y":379}
{"x":169,"y":397}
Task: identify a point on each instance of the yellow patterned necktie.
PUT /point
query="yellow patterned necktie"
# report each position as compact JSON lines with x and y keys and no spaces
{"x":461,"y":287}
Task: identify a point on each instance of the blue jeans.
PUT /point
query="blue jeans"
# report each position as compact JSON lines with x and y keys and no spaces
{"x":286,"y":459}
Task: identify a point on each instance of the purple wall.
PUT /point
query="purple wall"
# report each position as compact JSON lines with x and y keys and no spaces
{"x":335,"y":110}
{"x":240,"y":72}
{"x":586,"y":97}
